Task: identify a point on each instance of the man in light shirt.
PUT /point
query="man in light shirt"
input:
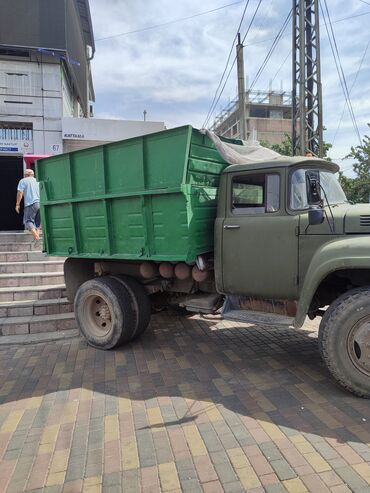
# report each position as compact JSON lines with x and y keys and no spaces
{"x":28,"y":189}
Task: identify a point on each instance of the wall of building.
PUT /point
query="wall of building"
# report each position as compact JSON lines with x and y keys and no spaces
{"x":89,"y":132}
{"x":30,"y":93}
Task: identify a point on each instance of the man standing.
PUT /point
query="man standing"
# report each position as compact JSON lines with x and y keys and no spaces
{"x":28,"y":189}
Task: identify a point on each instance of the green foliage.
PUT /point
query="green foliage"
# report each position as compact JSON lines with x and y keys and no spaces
{"x":286,"y":147}
{"x":357,"y":189}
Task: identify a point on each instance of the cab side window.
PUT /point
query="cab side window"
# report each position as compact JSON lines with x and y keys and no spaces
{"x":256,"y":194}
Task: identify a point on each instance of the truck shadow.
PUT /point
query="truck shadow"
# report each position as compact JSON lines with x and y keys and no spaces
{"x":260,"y":381}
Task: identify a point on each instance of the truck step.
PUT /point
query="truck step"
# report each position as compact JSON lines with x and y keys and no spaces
{"x":35,"y":307}
{"x":35,"y":266}
{"x":31,"y":279}
{"x":47,"y":292}
{"x":258,"y":318}
{"x":36,"y":324}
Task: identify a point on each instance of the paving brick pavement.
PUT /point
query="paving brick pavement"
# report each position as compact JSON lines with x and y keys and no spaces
{"x":196,"y":406}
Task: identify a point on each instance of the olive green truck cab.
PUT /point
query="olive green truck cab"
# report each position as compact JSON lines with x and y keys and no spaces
{"x":164,"y":219}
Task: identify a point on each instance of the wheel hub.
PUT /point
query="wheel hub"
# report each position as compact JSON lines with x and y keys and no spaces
{"x":104,"y":312}
{"x":98,"y":315}
{"x":358,"y":345}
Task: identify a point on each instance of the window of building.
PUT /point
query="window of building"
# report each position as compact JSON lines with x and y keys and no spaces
{"x":276,"y":114}
{"x":256,"y":194}
{"x":258,"y":112}
{"x":14,"y":53}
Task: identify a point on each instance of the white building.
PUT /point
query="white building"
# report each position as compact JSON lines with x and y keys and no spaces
{"x":46,"y":89}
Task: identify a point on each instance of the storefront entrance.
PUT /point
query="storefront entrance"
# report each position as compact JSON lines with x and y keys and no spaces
{"x":11,"y":171}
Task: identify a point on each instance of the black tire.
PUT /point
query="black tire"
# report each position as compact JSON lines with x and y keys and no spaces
{"x":140,"y":301}
{"x":344,"y":341}
{"x":104,"y":313}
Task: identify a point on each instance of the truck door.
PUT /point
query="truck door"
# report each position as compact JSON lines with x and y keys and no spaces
{"x":260,"y":242}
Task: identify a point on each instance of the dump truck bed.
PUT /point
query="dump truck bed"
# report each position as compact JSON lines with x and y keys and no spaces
{"x":151,"y":197}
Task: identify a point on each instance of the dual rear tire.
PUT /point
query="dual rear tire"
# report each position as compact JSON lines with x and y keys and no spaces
{"x":111,"y":311}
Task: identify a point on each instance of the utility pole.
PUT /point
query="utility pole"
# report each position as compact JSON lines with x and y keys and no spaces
{"x":307,"y":129}
{"x":241,"y":90}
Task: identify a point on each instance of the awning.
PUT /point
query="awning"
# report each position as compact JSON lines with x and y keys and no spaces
{"x":30,"y":159}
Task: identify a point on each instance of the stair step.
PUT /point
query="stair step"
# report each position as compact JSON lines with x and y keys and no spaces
{"x":25,"y":256}
{"x":36,"y":324}
{"x":16,"y":237}
{"x":46,"y":292}
{"x":29,"y":246}
{"x":28,"y":267}
{"x":35,"y":307}
{"x":30,"y":279}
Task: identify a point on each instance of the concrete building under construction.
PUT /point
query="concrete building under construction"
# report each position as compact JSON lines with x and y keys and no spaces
{"x":268,"y":117}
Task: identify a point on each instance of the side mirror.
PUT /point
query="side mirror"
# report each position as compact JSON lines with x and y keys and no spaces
{"x":315,"y":216}
{"x":313,"y":187}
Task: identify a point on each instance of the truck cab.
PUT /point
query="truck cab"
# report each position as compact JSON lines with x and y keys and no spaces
{"x":287,"y":247}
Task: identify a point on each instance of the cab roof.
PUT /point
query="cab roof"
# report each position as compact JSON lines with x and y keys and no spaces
{"x":284,"y":162}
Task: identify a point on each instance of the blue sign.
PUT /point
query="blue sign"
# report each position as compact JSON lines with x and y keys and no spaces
{"x":8,"y":149}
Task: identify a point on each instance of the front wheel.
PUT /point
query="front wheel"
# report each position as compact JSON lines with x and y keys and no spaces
{"x":104,"y":313}
{"x":344,"y":341}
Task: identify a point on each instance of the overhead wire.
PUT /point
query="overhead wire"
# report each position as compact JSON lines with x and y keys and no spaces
{"x":339,"y":67}
{"x":281,"y":66}
{"x":168,"y":23}
{"x":227,"y":62}
{"x":352,"y":86}
{"x":272,"y":49}
{"x":217,"y":99}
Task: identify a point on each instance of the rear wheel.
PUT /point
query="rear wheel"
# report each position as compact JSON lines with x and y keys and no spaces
{"x":104,"y":313}
{"x":344,"y":340}
{"x":140,"y":302}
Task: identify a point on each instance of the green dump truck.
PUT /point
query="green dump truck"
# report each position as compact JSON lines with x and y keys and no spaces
{"x":164,"y":219}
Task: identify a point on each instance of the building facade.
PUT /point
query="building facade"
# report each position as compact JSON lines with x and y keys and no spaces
{"x":268,"y":117}
{"x":46,"y":90}
{"x":45,"y":52}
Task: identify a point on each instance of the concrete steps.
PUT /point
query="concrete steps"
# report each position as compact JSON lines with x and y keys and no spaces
{"x":32,"y":290}
{"x":31,"y":279}
{"x":36,"y":323}
{"x":46,"y":292}
{"x":31,"y":266}
{"x":35,"y":307}
{"x":25,"y":256}
{"x":29,"y":246}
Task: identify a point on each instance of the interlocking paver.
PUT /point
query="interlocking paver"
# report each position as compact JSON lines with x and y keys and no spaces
{"x":196,"y":406}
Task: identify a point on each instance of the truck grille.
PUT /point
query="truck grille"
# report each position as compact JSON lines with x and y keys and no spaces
{"x":365,"y":221}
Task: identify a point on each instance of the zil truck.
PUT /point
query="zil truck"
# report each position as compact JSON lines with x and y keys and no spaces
{"x":164,"y":219}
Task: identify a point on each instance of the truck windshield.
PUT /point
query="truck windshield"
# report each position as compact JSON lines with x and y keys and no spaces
{"x":329,"y":182}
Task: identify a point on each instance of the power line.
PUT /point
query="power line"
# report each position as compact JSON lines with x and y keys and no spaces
{"x":227,"y":63}
{"x":335,"y":21}
{"x":339,"y":67}
{"x":169,"y":22}
{"x":281,"y":66}
{"x":213,"y":106}
{"x":352,"y":86}
{"x":272,"y":49}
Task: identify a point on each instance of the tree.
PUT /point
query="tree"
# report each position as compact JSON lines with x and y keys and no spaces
{"x":357,"y":189}
{"x":286,"y":147}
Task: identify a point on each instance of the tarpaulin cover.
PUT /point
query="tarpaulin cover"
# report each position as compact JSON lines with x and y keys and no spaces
{"x":249,"y":152}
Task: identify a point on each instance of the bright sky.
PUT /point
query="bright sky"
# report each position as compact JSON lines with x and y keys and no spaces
{"x":173,"y":71}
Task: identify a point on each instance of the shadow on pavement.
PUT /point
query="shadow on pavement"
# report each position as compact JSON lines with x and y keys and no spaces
{"x":194,"y":368}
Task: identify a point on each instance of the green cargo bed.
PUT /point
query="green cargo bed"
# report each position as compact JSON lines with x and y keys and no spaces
{"x":150,"y":197}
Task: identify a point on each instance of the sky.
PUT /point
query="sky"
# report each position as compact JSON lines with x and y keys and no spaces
{"x":172,"y":71}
